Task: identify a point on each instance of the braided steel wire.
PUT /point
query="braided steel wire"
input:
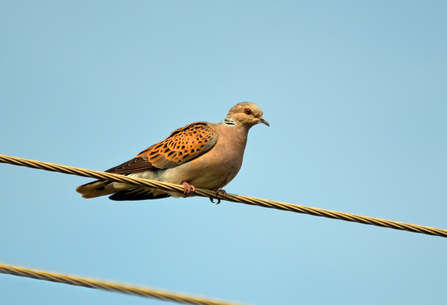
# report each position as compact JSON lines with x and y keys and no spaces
{"x":229,"y":197}
{"x":96,"y":284}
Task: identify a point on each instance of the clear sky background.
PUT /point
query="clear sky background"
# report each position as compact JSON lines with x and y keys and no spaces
{"x":356,"y":94}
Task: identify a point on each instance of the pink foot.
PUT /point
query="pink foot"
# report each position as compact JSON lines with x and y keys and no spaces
{"x":188,"y":189}
{"x":221,"y":193}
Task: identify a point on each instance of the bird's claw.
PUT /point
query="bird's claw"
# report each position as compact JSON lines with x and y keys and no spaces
{"x":212,"y":200}
{"x":221,"y":193}
{"x":188,"y":189}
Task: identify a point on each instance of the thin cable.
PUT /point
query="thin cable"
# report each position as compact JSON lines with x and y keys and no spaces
{"x":229,"y":197}
{"x":96,"y":284}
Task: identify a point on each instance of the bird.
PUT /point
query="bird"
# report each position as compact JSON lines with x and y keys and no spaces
{"x":199,"y":155}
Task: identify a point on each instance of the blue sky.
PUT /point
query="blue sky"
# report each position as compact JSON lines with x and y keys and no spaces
{"x":356,"y":96}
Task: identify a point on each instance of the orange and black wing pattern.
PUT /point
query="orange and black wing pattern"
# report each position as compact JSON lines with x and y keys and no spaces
{"x":183,"y":145}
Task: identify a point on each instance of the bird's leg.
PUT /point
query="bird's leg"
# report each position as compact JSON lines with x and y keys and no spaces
{"x":221,"y":193}
{"x":188,"y":189}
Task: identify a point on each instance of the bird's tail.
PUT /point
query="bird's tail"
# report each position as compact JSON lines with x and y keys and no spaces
{"x":96,"y":189}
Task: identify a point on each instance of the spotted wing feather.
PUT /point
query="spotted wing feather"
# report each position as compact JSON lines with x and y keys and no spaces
{"x":183,"y":145}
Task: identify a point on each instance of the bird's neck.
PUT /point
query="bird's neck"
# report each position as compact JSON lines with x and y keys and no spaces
{"x":232,"y":122}
{"x":234,"y":130}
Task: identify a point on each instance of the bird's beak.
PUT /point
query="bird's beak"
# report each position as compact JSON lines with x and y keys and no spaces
{"x":261,"y":120}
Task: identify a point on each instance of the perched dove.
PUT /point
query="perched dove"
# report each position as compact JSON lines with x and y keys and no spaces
{"x":201,"y":154}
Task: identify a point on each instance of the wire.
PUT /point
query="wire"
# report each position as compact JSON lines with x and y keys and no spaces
{"x":96,"y":284}
{"x":397,"y":225}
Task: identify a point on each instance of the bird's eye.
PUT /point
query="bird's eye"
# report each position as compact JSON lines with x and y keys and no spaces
{"x":247,"y":111}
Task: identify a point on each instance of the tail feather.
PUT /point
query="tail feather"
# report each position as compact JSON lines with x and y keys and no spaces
{"x":136,"y":194}
{"x":119,"y":191}
{"x":96,"y":189}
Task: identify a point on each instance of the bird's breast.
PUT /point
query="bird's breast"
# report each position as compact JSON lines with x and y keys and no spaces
{"x":212,"y":170}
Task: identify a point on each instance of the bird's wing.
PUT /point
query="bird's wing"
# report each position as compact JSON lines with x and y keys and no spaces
{"x":183,"y":145}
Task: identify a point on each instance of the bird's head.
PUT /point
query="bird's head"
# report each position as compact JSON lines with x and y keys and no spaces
{"x":247,"y":114}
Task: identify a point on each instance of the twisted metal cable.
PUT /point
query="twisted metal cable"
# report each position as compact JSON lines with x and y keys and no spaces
{"x":96,"y":284}
{"x":229,"y":197}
